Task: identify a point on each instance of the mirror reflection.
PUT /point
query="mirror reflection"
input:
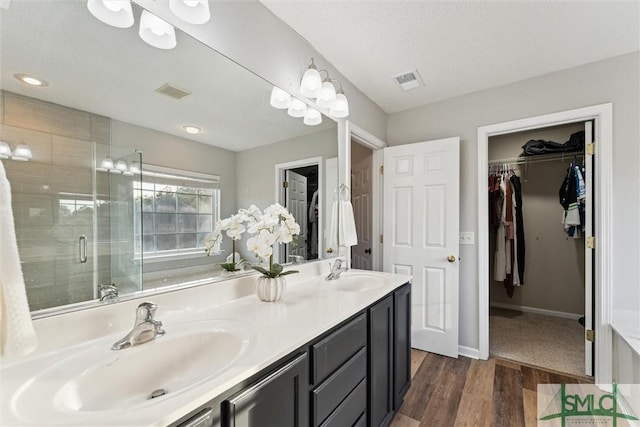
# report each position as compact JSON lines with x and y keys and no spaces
{"x":200,"y":128}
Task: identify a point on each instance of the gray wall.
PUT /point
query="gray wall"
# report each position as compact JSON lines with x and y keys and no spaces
{"x":255,"y":168}
{"x":614,"y":80}
{"x":554,"y":263}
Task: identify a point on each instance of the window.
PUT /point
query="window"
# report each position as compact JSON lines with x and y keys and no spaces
{"x":177,"y":210}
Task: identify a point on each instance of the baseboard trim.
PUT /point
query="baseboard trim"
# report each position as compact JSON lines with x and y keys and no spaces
{"x":536,"y":310}
{"x":472,"y":353}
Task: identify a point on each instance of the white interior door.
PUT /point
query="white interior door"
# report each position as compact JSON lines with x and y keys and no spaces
{"x":421,"y":228}
{"x":296,"y":200}
{"x":588,"y":253}
{"x":361,"y":200}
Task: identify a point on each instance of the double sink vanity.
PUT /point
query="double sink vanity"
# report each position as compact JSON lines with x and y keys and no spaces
{"x":330,"y":353}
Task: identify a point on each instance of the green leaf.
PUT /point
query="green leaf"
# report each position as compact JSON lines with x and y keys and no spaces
{"x":284,"y":273}
{"x":276,"y":270}
{"x":261,"y":270}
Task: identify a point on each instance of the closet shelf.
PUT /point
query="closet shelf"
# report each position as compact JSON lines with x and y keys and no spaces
{"x":538,"y":158}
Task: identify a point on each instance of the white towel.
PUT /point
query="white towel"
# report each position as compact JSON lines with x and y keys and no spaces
{"x":343,"y":225}
{"x":17,"y":335}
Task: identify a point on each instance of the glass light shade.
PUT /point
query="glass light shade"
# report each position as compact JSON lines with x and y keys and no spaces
{"x":122,"y":166}
{"x":311,"y":84}
{"x":156,"y":32}
{"x":191,"y":11}
{"x":279,"y":98}
{"x":116,"y":13}
{"x":134,"y":168}
{"x":312,"y":117}
{"x":297,"y":108}
{"x":341,"y":108}
{"x":106,"y":164}
{"x":327,"y":98}
{"x":22,"y":152}
{"x":5,"y":150}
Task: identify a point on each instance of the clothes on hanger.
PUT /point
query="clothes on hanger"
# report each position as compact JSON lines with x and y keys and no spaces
{"x":505,"y":204}
{"x":572,"y":196}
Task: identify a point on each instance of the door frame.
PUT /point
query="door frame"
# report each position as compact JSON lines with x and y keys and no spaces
{"x":280,"y":196}
{"x":376,"y":145}
{"x":602,"y":115}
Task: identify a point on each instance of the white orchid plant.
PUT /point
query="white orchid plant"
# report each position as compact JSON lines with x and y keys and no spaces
{"x":274,"y":225}
{"x":234,"y":227}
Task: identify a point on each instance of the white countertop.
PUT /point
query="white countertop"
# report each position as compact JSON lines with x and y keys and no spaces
{"x":273,"y":330}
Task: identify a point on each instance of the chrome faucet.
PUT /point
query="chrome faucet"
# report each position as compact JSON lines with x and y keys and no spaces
{"x":336,"y":270}
{"x":108,"y":293}
{"x":145,"y":329}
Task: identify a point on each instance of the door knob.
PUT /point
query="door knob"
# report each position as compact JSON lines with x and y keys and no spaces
{"x":451,"y":258}
{"x":367,"y":251}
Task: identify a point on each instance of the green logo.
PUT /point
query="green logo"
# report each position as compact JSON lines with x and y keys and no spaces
{"x":582,"y":403}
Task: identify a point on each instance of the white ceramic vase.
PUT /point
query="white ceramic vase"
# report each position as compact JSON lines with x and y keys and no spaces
{"x":269,"y":289}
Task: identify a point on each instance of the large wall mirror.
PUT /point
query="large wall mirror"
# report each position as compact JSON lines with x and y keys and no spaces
{"x":108,"y":94}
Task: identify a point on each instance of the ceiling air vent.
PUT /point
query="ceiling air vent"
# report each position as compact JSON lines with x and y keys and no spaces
{"x":173,"y":91}
{"x":409,"y":80}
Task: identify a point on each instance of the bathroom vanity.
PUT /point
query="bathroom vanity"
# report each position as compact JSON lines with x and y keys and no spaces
{"x":331,"y":353}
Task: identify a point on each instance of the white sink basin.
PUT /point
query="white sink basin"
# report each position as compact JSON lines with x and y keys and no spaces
{"x":355,"y":282}
{"x":100,"y":379}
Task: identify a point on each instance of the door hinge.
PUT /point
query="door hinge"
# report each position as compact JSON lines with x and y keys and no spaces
{"x":381,"y":238}
{"x":285,"y":184}
{"x":591,"y":242}
{"x":591,"y":149}
{"x":381,"y":169}
{"x":590,"y":335}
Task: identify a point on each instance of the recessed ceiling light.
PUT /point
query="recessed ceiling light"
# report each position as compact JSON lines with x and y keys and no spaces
{"x":30,"y":80}
{"x":192,"y":129}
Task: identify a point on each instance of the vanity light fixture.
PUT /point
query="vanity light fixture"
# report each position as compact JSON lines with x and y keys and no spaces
{"x":122,"y":167}
{"x":327,"y":97}
{"x":311,"y":84}
{"x":134,"y":168}
{"x":297,"y":108}
{"x":191,"y":11}
{"x":324,"y":92}
{"x":193,"y":130}
{"x":312,"y":117}
{"x":279,"y":98}
{"x":31,"y":80}
{"x":105,"y":165}
{"x":116,"y":13}
{"x":340,"y":109}
{"x":5,"y":150}
{"x":156,"y":32}
{"x":22,"y":153}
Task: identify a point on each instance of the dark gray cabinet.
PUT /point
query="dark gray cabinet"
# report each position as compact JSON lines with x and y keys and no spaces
{"x":339,"y":371}
{"x":354,"y":375}
{"x":280,"y":399}
{"x":380,"y":373}
{"x":402,"y":344}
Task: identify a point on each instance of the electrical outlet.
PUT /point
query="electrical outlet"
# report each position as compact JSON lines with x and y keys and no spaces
{"x":467,"y":238}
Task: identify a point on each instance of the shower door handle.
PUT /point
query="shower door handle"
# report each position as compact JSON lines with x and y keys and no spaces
{"x":83,"y":249}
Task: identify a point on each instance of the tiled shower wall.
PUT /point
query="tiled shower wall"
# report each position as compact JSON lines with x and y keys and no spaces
{"x":47,"y":192}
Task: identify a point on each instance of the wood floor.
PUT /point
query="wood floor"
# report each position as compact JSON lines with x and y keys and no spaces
{"x":469,"y":392}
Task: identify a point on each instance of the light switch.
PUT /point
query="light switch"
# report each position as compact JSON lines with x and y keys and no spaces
{"x":467,"y":238}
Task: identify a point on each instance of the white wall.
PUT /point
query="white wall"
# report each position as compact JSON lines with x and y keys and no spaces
{"x":614,"y":80}
{"x":248,"y":33}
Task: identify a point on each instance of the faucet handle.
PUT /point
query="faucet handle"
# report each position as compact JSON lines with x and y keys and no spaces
{"x":145,"y":311}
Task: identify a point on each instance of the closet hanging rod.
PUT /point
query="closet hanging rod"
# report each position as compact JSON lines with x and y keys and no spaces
{"x":536,"y":159}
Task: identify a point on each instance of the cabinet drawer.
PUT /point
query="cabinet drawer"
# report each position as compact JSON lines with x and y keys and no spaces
{"x":331,"y":352}
{"x":338,"y":386}
{"x":352,"y":410}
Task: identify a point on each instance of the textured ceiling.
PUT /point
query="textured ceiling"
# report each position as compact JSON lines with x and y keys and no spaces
{"x":458,"y":47}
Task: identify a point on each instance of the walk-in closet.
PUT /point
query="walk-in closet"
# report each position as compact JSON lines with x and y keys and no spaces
{"x":539,"y":278}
